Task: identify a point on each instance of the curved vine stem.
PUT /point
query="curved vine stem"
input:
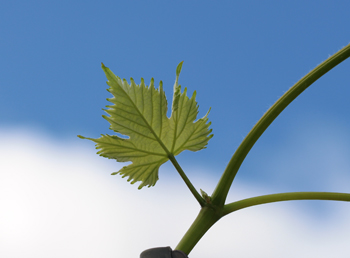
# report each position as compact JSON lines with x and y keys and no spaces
{"x":228,"y":208}
{"x":222,"y":188}
{"x":213,"y":211}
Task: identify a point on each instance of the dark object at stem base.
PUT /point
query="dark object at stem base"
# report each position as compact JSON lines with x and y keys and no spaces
{"x":162,"y":252}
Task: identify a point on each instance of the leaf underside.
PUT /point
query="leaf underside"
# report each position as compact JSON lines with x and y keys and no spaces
{"x":139,"y":112}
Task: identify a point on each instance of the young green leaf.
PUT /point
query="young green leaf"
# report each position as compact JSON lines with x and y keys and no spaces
{"x":139,"y":112}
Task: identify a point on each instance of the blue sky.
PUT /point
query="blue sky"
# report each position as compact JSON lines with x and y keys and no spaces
{"x":239,"y":57}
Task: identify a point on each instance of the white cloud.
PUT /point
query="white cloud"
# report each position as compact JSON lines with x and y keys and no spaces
{"x":57,"y":199}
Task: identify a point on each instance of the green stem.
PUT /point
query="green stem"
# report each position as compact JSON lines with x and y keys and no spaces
{"x":212,"y":212}
{"x":222,"y":188}
{"x":228,"y":208}
{"x":209,"y":214}
{"x":193,"y":190}
{"x":205,"y":219}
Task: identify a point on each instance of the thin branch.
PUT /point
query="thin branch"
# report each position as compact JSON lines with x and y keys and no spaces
{"x":292,"y":196}
{"x":193,"y":190}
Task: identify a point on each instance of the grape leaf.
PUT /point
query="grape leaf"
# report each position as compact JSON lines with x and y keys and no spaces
{"x":139,"y":112}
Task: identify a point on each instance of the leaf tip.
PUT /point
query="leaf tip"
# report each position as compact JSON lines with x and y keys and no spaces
{"x":206,"y":115}
{"x":178,"y":68}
